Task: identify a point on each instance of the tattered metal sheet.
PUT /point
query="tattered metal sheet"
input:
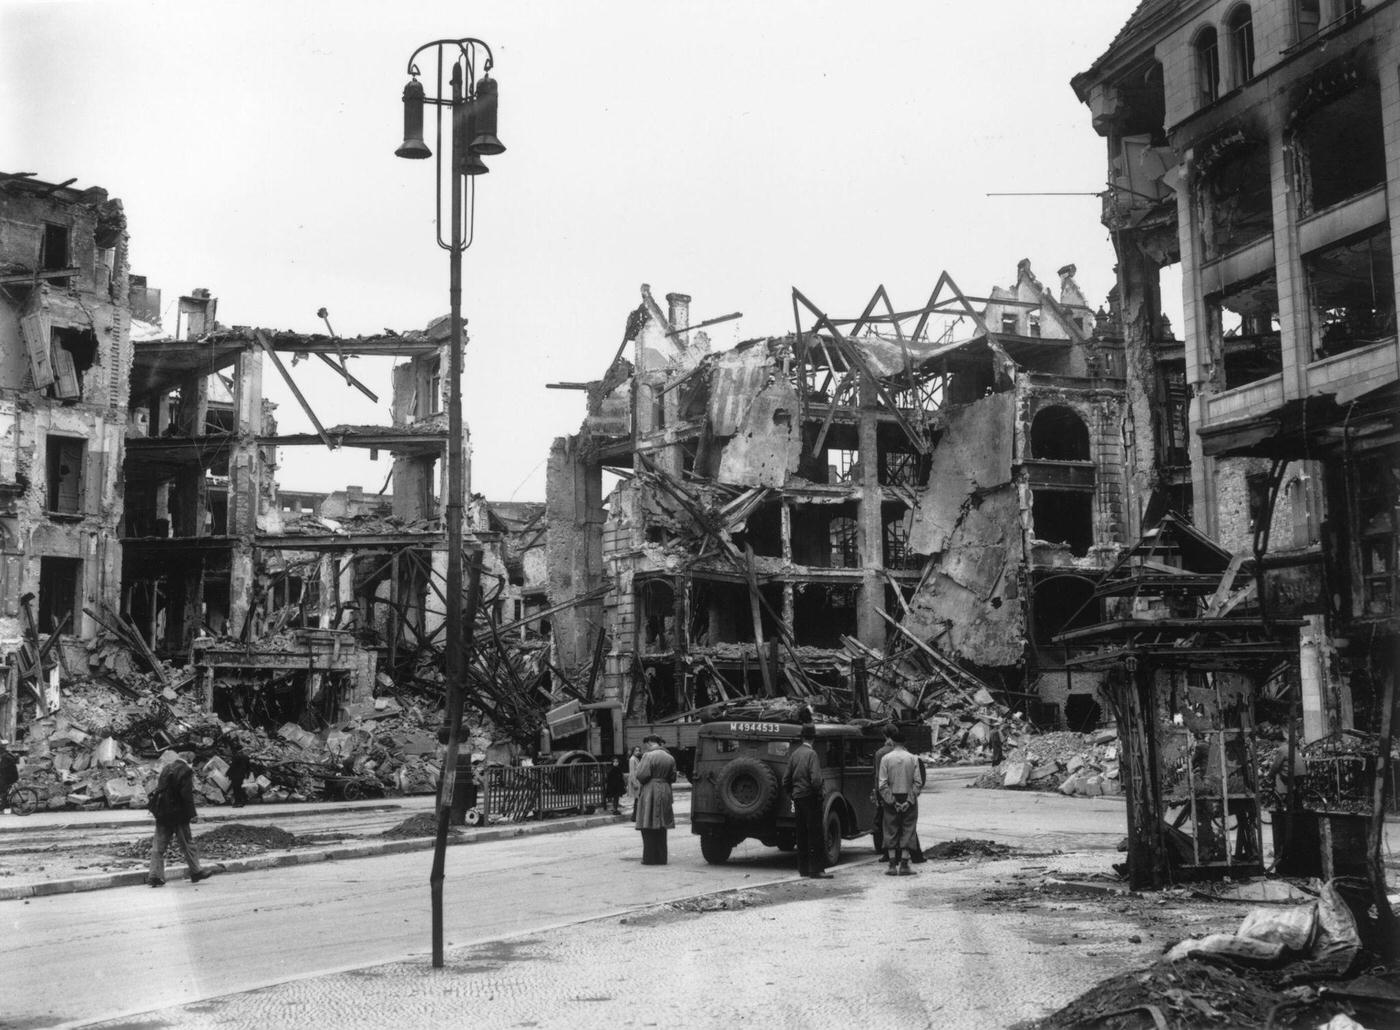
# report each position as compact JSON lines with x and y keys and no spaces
{"x":738,"y":377}
{"x":973,"y":455}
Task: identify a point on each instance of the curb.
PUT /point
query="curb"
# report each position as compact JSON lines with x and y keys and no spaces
{"x":346,"y":853}
{"x":218,"y":815}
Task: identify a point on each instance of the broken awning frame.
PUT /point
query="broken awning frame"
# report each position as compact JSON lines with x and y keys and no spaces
{"x":946,"y":299}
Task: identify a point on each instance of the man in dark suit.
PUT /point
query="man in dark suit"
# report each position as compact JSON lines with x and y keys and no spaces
{"x":174,"y":811}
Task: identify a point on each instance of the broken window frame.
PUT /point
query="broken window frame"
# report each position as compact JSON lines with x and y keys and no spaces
{"x":1375,"y":486}
{"x":1080,"y":541}
{"x":56,"y":446}
{"x":895,"y":542}
{"x":1339,"y":328}
{"x":1345,"y":127}
{"x":1234,"y":197}
{"x":1247,"y":342}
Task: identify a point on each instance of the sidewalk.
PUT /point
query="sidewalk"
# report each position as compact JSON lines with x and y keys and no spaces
{"x":42,"y":881}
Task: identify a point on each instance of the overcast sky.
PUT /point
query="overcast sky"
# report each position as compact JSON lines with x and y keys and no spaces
{"x":726,"y":150}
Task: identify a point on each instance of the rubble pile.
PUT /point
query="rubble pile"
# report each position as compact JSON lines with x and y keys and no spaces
{"x":965,"y":847}
{"x":235,"y":840}
{"x":1075,"y":764}
{"x":116,"y":727}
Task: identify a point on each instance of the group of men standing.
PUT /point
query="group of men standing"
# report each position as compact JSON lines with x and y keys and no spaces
{"x":899,"y":778}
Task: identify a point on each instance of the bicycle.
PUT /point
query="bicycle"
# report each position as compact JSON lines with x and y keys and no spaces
{"x":20,"y":800}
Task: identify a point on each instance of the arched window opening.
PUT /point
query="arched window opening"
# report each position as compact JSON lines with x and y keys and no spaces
{"x":1241,"y":29}
{"x":1059,"y":434}
{"x":1207,"y":66}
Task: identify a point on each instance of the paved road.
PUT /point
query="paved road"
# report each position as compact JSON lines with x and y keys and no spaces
{"x":141,"y":949}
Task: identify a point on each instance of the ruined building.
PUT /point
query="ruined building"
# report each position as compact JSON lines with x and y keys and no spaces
{"x":792,"y":514}
{"x":1253,"y":147}
{"x":65,"y":355}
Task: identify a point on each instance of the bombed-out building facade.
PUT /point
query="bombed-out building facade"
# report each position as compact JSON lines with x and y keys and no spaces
{"x":1254,"y":149}
{"x":799,"y":515}
{"x":139,"y":499}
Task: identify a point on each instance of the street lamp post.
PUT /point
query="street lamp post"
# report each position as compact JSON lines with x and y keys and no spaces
{"x":471,"y":107}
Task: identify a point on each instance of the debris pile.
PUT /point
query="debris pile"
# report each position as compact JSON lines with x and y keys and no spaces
{"x":233,"y":840}
{"x":113,"y":730}
{"x":1076,"y":764}
{"x":1283,"y":967}
{"x":968,"y":848}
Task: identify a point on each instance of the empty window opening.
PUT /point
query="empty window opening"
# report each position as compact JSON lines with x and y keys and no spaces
{"x":1207,"y":51}
{"x":65,"y":474}
{"x":1245,"y":332}
{"x":1241,"y":28}
{"x":1174,"y":426}
{"x":722,"y":612}
{"x":1237,"y":200}
{"x":55,"y":256}
{"x":824,"y":535}
{"x":896,"y":542}
{"x":58,"y":594}
{"x":843,"y":466}
{"x":1061,"y":603}
{"x":899,"y":464}
{"x":72,"y":352}
{"x":763,"y":531}
{"x":657,"y":616}
{"x":1009,"y":322}
{"x":822,"y":614}
{"x":1064,"y":517}
{"x":654,"y":694}
{"x":1353,"y":294}
{"x":1339,"y":149}
{"x":845,"y":549}
{"x":1059,"y":434}
{"x":1034,"y":319}
{"x":434,"y":387}
{"x":1257,"y":489}
{"x":1082,"y":713}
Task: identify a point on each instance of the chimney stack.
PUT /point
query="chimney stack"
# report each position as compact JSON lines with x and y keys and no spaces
{"x":678,"y":310}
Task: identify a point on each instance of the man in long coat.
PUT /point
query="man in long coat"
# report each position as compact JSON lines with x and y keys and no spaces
{"x":174,"y":813}
{"x":654,"y":813}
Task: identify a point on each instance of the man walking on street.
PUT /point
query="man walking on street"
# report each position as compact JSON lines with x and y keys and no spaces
{"x":174,"y":811}
{"x":802,"y":779}
{"x":899,"y":782}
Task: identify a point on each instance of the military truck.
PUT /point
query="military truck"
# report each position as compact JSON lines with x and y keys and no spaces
{"x":737,"y":789}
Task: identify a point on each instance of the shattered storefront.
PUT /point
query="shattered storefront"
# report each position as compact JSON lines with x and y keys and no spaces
{"x":861,"y":513}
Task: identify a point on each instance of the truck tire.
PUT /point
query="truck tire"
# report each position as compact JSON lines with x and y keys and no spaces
{"x":831,"y":827}
{"x":715,"y":847}
{"x":747,"y":788}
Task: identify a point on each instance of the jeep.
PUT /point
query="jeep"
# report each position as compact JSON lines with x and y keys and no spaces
{"x":737,"y":790}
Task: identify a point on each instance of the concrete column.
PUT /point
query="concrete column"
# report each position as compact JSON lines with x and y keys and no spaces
{"x":574,"y":547}
{"x":870,"y":628}
{"x":1294,"y":313}
{"x":244,"y":470}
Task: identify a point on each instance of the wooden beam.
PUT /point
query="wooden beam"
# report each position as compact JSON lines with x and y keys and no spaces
{"x":266,"y":345}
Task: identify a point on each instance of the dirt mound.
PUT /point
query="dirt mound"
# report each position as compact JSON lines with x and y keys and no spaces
{"x":964,"y":848}
{"x":424,"y":824}
{"x":270,"y":837}
{"x":235,"y":840}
